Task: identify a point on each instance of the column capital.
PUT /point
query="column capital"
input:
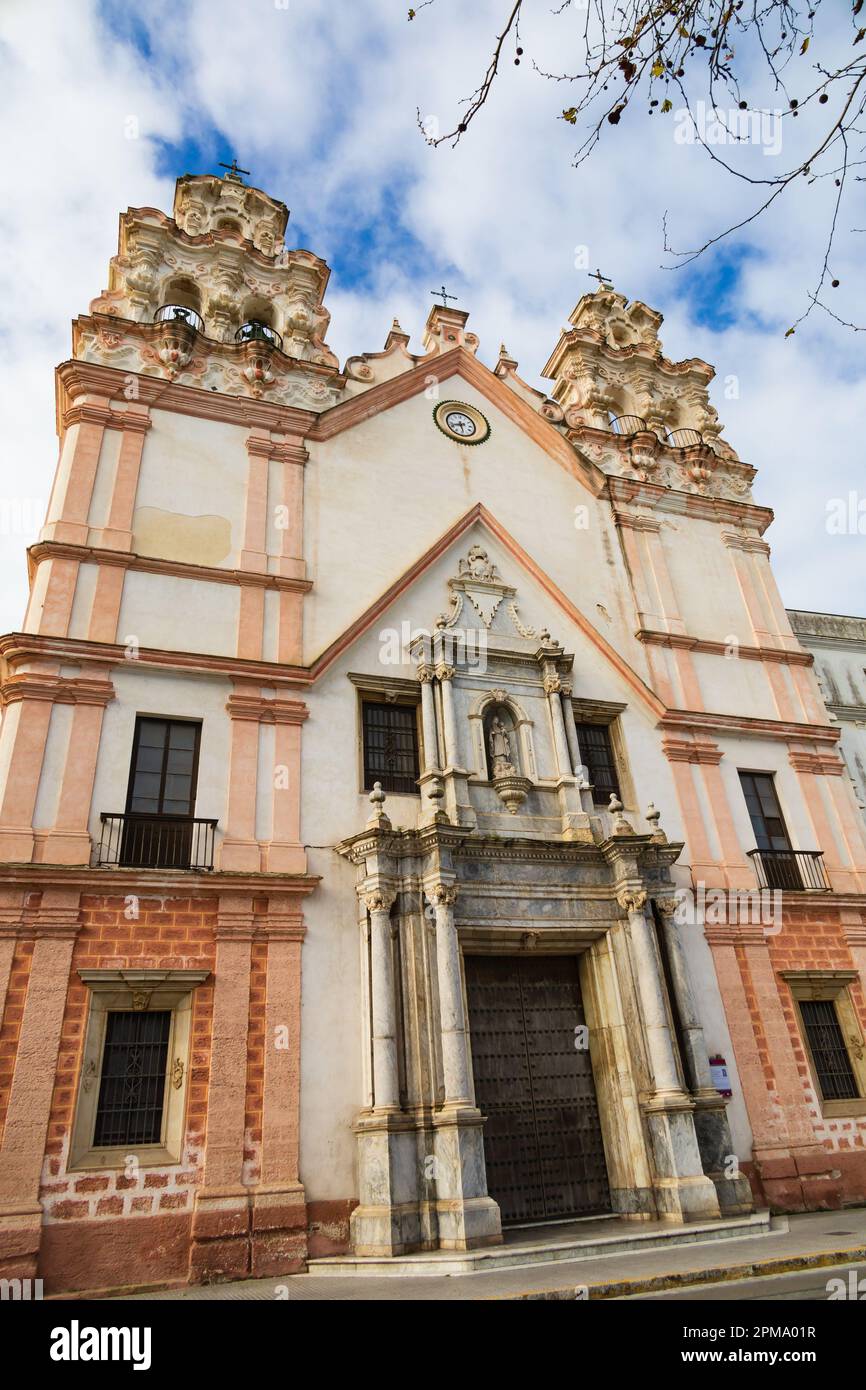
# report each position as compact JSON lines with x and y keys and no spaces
{"x":667,"y":906}
{"x":444,"y":672}
{"x":632,"y":900}
{"x":442,"y":894}
{"x":379,"y":899}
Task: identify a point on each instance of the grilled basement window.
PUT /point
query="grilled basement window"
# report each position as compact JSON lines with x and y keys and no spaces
{"x":833,"y":1070}
{"x":833,"y":1035}
{"x":132,"y":1085}
{"x":596,"y":750}
{"x":390,"y":734}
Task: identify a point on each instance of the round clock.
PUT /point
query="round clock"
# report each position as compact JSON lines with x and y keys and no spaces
{"x":461,"y":422}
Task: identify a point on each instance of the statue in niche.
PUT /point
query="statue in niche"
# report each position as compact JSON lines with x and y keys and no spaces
{"x":499,"y":748}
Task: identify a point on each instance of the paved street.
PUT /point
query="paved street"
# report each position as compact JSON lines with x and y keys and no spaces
{"x":829,"y":1244}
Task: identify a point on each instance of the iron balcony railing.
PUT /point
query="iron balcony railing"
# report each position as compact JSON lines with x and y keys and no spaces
{"x":179,"y":313}
{"x":684,"y":439}
{"x":627,"y":424}
{"x":798,"y":870}
{"x":254,"y":330}
{"x":135,"y":840}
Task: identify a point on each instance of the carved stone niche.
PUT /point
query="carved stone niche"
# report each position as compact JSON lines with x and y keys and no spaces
{"x":503,"y":758}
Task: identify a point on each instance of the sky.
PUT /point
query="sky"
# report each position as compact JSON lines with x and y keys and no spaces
{"x":103,"y":105}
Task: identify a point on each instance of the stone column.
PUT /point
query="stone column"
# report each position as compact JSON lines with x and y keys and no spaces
{"x":683,"y":1191}
{"x":455,"y":1064}
{"x":457,"y":800}
{"x":279,"y":1216}
{"x":466,"y":1216}
{"x":711,"y":1119}
{"x":428,"y":719}
{"x":553,"y":688}
{"x":445,"y":675}
{"x":29,"y":1109}
{"x":221,"y":1217}
{"x":383,"y":1020}
{"x":387,"y":1219}
{"x":571,"y":732}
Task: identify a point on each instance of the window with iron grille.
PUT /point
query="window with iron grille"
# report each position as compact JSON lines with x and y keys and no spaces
{"x":596,"y":750}
{"x":390,"y":746}
{"x":132,"y":1082}
{"x":833,"y":1068}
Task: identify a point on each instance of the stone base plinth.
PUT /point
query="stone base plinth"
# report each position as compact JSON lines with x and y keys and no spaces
{"x":466,"y":1216}
{"x":682,"y":1189}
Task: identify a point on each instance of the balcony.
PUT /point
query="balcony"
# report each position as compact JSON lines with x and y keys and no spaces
{"x":628,"y":424}
{"x":256,"y":331}
{"x":796,"y":870}
{"x":179,"y":313}
{"x":141,"y":841}
{"x":684,"y":439}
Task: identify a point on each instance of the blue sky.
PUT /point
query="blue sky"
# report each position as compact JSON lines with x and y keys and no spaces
{"x":320,"y":103}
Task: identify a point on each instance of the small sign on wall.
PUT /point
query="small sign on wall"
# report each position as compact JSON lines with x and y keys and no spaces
{"x":719,"y":1074}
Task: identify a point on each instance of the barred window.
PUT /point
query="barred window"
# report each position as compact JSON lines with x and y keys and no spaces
{"x":132,"y":1082}
{"x":390,"y":746}
{"x":596,"y":750}
{"x":833,"y":1068}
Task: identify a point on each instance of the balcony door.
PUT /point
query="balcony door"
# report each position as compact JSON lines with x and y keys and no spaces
{"x":771,"y":833}
{"x":160,"y":801}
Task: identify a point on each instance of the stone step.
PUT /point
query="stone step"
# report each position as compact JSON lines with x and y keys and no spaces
{"x":526,"y":1246}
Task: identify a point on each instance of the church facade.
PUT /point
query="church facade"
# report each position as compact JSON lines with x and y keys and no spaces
{"x":417,"y":814}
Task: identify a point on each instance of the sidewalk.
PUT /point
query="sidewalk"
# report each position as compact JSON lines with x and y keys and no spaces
{"x":813,"y":1241}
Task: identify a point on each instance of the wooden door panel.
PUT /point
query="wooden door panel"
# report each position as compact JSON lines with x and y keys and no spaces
{"x":542,"y":1140}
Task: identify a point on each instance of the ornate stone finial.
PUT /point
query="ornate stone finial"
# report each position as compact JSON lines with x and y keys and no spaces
{"x":620,"y":824}
{"x":441,"y":622}
{"x":377,"y":801}
{"x":653,"y":817}
{"x":395,"y":326}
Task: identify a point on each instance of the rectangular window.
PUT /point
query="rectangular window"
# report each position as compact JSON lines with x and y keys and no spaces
{"x":596,"y":750}
{"x":833,"y":1070}
{"x":390,"y":733}
{"x":765,"y":812}
{"x":160,"y":799}
{"x":164,"y":767}
{"x":133,"y":1078}
{"x":779,"y":860}
{"x":132,"y":1082}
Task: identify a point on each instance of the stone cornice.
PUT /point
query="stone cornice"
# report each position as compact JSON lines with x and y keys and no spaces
{"x":76,"y":377}
{"x":133,"y":419}
{"x":684,"y":721}
{"x":182,"y":883}
{"x":260,"y":710}
{"x":633,"y":492}
{"x":154,"y":564}
{"x":18,"y":647}
{"x":785,"y":656}
{"x":61,"y":690}
{"x":819,"y":764}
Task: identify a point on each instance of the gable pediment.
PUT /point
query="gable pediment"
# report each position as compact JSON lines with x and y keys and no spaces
{"x":461,"y":364}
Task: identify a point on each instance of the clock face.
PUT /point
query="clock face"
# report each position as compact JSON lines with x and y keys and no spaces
{"x":460,"y":423}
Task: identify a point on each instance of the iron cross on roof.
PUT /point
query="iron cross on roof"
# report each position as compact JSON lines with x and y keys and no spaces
{"x":234,"y":170}
{"x":602,"y":279}
{"x":445,"y":297}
